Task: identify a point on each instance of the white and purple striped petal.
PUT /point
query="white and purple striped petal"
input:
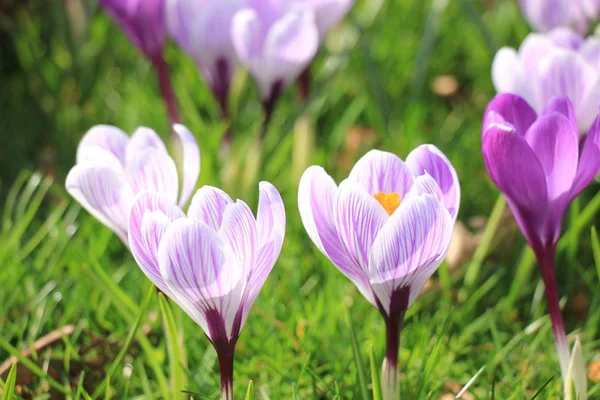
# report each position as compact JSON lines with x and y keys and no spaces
{"x":380,"y":171}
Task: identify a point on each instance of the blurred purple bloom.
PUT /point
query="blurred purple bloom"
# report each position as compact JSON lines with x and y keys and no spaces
{"x":142,"y":20}
{"x":545,"y":15}
{"x":560,"y":63}
{"x":387,"y":227}
{"x":328,"y":13}
{"x":202,"y":28}
{"x":212,"y":262}
{"x":112,"y":169}
{"x":540,"y":165}
{"x":275,"y":40}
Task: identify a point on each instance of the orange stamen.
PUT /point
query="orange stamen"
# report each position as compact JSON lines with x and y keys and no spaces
{"x":389,"y":201}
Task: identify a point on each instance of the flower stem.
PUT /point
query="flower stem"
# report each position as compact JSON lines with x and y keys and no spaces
{"x":226,"y":365}
{"x":546,"y":259}
{"x":390,"y":386}
{"x":166,"y":88}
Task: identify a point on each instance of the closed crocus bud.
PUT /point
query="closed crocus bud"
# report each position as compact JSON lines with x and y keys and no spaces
{"x":540,"y":166}
{"x":202,"y":28}
{"x":387,"y":227}
{"x":142,"y":20}
{"x":560,"y":63}
{"x":275,"y":40}
{"x":113,"y":169}
{"x":213,"y":261}
{"x":545,"y":15}
{"x":328,"y":13}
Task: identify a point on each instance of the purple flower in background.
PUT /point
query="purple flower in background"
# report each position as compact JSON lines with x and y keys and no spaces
{"x":112,"y":169}
{"x":540,"y":165}
{"x":213,"y":261}
{"x":144,"y":23}
{"x":328,"y":13}
{"x":560,"y":63}
{"x":276,"y":40}
{"x":202,"y":28}
{"x":545,"y":15}
{"x":387,"y":227}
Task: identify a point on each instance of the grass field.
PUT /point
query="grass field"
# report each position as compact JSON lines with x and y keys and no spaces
{"x":394,"y":75}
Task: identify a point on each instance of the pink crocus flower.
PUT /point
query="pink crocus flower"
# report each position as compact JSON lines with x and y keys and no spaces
{"x":112,"y":169}
{"x":387,"y":227}
{"x":213,"y":261}
{"x":545,"y":15}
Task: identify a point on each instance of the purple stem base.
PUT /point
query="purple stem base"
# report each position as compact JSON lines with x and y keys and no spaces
{"x":166,"y":88}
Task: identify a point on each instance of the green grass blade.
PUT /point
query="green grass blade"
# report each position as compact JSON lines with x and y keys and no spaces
{"x":11,"y":383}
{"x":362,"y":380}
{"x":596,"y":249}
{"x":375,"y":380}
{"x":174,"y":347}
{"x":250,"y":391}
{"x":130,"y":336}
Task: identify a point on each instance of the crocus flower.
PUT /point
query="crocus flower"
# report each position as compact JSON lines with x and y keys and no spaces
{"x":202,"y":28}
{"x":560,"y":63}
{"x":540,"y":165}
{"x":275,"y":40}
{"x":144,"y":22}
{"x":112,"y":169}
{"x":387,"y":227}
{"x":212,"y":262}
{"x":545,"y":15}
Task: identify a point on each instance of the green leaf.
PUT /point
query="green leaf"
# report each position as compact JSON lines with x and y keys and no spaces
{"x":250,"y":391}
{"x":375,"y":380}
{"x":174,"y":348}
{"x":11,"y":382}
{"x":596,"y":249}
{"x":362,"y":380}
{"x":117,"y":363}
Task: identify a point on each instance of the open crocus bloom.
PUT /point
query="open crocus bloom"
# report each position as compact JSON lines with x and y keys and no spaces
{"x":560,"y":63}
{"x":202,"y":28}
{"x":213,"y":261}
{"x":112,"y":169}
{"x":142,"y":20}
{"x":544,"y":15}
{"x":328,"y":13}
{"x":275,"y":40}
{"x":388,"y":226}
{"x":536,"y":162}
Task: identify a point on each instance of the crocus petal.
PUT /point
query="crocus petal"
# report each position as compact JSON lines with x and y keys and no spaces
{"x":429,"y":159}
{"x":556,"y":145}
{"x":562,"y":105}
{"x":511,"y":109}
{"x":508,"y":74}
{"x":150,"y":217}
{"x":380,"y":171}
{"x":565,"y":37}
{"x":590,"y":51}
{"x":104,"y":194}
{"x":208,"y":206}
{"x":142,"y":139}
{"x":106,"y":137}
{"x":409,"y":248}
{"x":425,"y":184}
{"x":199,"y":272}
{"x":358,"y":218}
{"x":239,"y":233}
{"x":328,"y":13}
{"x":270,"y":218}
{"x":316,"y":200}
{"x":517,"y":172}
{"x":154,"y":171}
{"x":589,"y":163}
{"x":191,"y":162}
{"x":246,"y":35}
{"x":544,"y":15}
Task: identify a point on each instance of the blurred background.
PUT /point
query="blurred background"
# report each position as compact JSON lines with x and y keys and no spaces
{"x":393,"y":75}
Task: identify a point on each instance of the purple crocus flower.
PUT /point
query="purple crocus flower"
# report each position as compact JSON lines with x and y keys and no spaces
{"x":540,"y":165}
{"x":328,"y":13}
{"x":275,"y":40}
{"x":202,"y":28}
{"x":212,"y":262}
{"x":545,"y":15}
{"x":144,"y":22}
{"x":112,"y":169}
{"x":387,"y":227}
{"x":560,"y":63}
